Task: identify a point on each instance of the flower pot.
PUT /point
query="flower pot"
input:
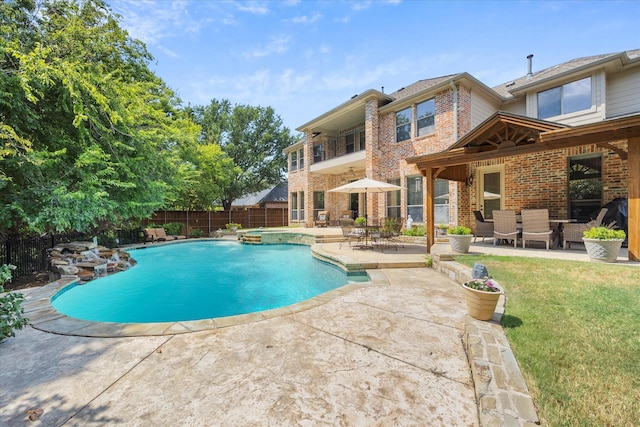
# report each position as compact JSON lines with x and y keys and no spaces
{"x":460,"y":242}
{"x":480,"y":304}
{"x":603,"y":250}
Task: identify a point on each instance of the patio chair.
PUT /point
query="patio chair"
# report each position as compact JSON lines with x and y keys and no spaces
{"x":572,"y":232}
{"x":154,"y":235}
{"x":350,"y":233}
{"x":535,"y":226}
{"x":483,"y":228}
{"x":505,"y":227}
{"x":346,"y":214}
{"x":323,"y":219}
{"x":389,"y":234}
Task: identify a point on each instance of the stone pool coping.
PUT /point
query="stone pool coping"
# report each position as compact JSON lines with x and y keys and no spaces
{"x":44,"y":317}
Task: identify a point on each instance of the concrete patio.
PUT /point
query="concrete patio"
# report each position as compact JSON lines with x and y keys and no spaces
{"x":390,"y":352}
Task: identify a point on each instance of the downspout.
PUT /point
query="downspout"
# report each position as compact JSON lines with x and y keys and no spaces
{"x":454,"y":88}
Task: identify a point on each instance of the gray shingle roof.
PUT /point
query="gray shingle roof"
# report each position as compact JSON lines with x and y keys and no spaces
{"x":506,"y":88}
{"x":419,"y":86}
{"x":279,"y":193}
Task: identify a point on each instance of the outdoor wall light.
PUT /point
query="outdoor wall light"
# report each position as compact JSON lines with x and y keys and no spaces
{"x":469,"y":181}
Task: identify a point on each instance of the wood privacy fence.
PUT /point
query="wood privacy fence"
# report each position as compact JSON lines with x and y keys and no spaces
{"x":207,"y":222}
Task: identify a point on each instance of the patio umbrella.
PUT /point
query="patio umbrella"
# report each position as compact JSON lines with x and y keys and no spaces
{"x":366,"y":185}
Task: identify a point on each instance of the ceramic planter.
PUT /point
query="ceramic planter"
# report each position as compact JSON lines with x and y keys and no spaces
{"x":460,"y":242}
{"x":480,"y":304}
{"x":603,"y":250}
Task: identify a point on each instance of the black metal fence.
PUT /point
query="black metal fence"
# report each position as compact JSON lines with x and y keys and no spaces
{"x":30,"y":255}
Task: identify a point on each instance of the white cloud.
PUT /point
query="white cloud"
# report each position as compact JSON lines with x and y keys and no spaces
{"x":256,"y":8}
{"x":153,"y":21}
{"x":277,"y":45}
{"x":306,"y":19}
{"x":360,"y":5}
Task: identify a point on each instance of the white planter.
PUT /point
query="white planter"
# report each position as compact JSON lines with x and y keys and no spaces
{"x":460,"y":242}
{"x":603,"y":250}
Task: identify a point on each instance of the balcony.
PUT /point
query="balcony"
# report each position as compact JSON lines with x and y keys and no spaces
{"x":335,"y":155}
{"x":340,"y":164}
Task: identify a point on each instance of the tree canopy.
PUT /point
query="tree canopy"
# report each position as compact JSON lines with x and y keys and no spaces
{"x":253,"y":137}
{"x":89,"y":134}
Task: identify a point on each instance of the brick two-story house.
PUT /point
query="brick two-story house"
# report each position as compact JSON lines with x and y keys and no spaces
{"x":566,"y":138}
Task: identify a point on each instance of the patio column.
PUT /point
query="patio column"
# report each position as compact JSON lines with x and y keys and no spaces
{"x":430,"y":217}
{"x":634,"y":198}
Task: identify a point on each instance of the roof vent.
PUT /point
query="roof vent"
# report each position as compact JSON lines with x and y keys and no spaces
{"x":530,"y":58}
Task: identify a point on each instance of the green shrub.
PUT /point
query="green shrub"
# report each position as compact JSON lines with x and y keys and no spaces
{"x":11,"y":311}
{"x":416,"y":231}
{"x":195,"y":233}
{"x":233,"y":226}
{"x":604,"y":233}
{"x":390,"y":224}
{"x":459,"y":230}
{"x":361,"y":220}
{"x":173,"y":228}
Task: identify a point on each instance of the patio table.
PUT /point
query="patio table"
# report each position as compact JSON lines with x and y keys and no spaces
{"x":367,"y":231}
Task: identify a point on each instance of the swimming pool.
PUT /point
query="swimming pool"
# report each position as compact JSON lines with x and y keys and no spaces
{"x":202,"y":280}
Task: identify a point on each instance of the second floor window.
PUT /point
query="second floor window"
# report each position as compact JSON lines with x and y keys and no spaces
{"x":350,"y":140}
{"x":403,"y":125}
{"x":318,"y":155}
{"x":294,"y":161}
{"x":301,"y":159}
{"x":565,"y":99}
{"x":426,"y":112}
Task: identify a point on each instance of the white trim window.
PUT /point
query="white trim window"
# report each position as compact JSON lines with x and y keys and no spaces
{"x":294,"y":206}
{"x":294,"y":161}
{"x":301,"y":159}
{"x":426,"y":113}
{"x":565,"y":99}
{"x":414,"y":198}
{"x":403,"y":124}
{"x":394,"y":200}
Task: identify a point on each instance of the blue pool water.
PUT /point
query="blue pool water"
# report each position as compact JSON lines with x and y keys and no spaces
{"x":201,"y":280}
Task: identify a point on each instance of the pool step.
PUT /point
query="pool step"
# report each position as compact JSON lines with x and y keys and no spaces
{"x":329,"y":239}
{"x":252,"y":239}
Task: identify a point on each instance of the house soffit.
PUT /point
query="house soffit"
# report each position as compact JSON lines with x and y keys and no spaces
{"x":345,"y":116}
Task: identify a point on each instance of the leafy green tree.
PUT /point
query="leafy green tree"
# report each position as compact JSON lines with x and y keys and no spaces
{"x":253,"y":137}
{"x":206,"y":175}
{"x":11,"y":311}
{"x":89,"y":134}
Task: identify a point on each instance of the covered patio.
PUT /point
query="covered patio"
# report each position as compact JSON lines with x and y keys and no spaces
{"x":504,"y":136}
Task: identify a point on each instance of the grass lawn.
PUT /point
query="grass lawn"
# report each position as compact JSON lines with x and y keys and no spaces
{"x":575,"y":330}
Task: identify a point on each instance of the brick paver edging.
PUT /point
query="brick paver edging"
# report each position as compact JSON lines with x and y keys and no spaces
{"x":501,"y":392}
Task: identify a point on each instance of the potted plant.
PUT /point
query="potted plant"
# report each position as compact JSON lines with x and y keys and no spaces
{"x":442,"y":229}
{"x":459,"y":238}
{"x":481,"y":297}
{"x":603,"y":243}
{"x":361,"y":221}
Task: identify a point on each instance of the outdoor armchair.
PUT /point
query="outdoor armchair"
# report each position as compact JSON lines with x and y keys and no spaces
{"x":483,"y":228}
{"x":535,"y":226}
{"x":572,"y":232}
{"x":505,"y":227}
{"x":323,"y":219}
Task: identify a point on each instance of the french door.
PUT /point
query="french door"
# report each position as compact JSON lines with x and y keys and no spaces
{"x":490,"y":189}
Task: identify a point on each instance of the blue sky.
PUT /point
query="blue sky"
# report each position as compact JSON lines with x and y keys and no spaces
{"x":304,"y":58}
